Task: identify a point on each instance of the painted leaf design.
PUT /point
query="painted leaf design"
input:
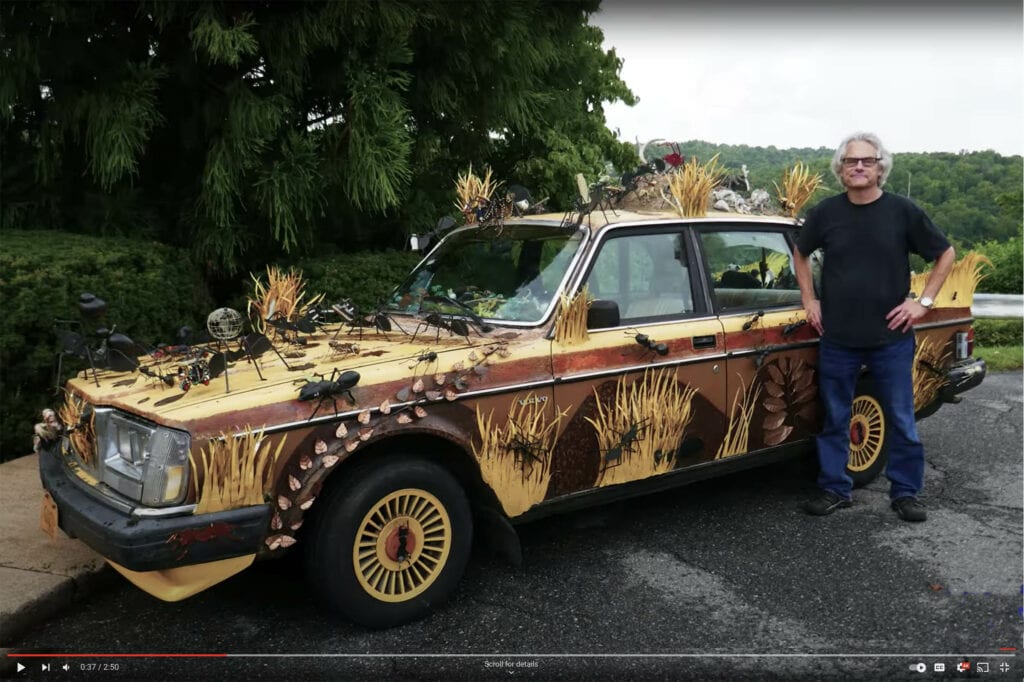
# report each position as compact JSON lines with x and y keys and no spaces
{"x":786,"y":365}
{"x":439,"y":379}
{"x":351,"y":445}
{"x":305,"y":462}
{"x":404,"y":418}
{"x":804,"y":377}
{"x":778,"y":435}
{"x":320,"y":447}
{"x":417,"y":386}
{"x":774,"y":389}
{"x":284,"y":503}
{"x":341,"y":431}
{"x":774,"y":404}
{"x":433,"y":395}
{"x":274,"y":541}
{"x":807,"y":411}
{"x":330,"y":460}
{"x":774,"y":421}
{"x":364,"y":434}
{"x":307,"y":504}
{"x":364,"y":417}
{"x":450,"y":394}
{"x":805,"y":395}
{"x":480,"y":370}
{"x":504,"y":353}
{"x":460,"y":384}
{"x":297,"y":525}
{"x":775,"y":374}
{"x":275,"y":522}
{"x":287,"y":541}
{"x":473,"y":356}
{"x":403,"y":395}
{"x":294,"y":483}
{"x":458,"y":366}
{"x":385,"y":407}
{"x":420,"y":412}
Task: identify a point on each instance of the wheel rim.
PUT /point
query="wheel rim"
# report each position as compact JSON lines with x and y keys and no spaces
{"x":409,"y":519}
{"x":867,"y":433}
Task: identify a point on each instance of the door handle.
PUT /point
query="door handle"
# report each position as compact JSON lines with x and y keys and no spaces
{"x":705,"y":341}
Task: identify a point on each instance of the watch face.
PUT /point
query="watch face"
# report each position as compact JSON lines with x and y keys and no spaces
{"x":927,"y":302}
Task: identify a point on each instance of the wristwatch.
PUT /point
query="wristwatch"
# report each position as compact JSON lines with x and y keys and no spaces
{"x":927,"y":302}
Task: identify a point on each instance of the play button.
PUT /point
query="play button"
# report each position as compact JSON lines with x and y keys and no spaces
{"x":20,"y":667}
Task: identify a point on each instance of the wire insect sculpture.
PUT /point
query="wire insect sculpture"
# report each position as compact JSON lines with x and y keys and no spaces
{"x":648,"y":343}
{"x":326,"y":388}
{"x":112,"y":350}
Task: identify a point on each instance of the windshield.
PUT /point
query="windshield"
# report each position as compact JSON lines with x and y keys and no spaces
{"x":509,"y":274}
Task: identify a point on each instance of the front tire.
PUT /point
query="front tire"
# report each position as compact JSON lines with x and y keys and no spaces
{"x":868,"y":437}
{"x":391,"y":541}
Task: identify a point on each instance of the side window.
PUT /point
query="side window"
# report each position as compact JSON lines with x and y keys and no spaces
{"x":645,"y":274}
{"x":750,"y":270}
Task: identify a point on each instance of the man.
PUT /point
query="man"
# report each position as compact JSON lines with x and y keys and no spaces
{"x":865,"y":317}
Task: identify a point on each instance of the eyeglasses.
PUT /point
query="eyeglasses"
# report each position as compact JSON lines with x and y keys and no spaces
{"x":866,"y":161}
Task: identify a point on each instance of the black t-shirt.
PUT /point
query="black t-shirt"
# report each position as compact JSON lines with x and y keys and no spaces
{"x":866,"y":272}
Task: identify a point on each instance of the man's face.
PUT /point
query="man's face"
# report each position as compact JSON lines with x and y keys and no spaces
{"x":860,"y":175}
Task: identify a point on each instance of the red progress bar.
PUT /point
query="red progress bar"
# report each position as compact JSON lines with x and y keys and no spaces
{"x":117,"y":655}
{"x":1007,"y":648}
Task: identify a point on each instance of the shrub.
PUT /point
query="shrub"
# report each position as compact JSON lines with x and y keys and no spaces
{"x":1007,"y":274}
{"x":366,"y":278}
{"x":150,"y":290}
{"x":998,"y":332}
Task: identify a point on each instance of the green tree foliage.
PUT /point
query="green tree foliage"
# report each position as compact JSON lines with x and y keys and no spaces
{"x":150,"y":293}
{"x":243,"y":130}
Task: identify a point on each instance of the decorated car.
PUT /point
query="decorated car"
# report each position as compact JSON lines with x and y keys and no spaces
{"x":528,"y":365}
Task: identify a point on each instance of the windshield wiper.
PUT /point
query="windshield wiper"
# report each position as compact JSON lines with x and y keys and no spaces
{"x":470,"y":313}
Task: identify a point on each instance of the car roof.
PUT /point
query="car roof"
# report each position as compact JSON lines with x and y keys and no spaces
{"x":598,"y":218}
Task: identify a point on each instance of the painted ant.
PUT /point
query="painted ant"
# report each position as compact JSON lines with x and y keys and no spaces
{"x":627,"y":440}
{"x":329,"y":389}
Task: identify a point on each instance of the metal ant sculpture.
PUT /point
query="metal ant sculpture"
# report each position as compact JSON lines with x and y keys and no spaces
{"x":338,"y":384}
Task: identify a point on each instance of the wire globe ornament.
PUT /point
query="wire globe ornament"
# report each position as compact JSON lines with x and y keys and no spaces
{"x":224,"y":324}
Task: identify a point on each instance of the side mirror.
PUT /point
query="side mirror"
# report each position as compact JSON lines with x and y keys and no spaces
{"x":603,"y":315}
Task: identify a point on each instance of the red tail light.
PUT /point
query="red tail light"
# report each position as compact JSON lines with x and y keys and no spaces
{"x":970,"y":342}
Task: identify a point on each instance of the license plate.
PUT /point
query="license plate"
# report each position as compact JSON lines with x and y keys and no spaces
{"x":48,"y":516}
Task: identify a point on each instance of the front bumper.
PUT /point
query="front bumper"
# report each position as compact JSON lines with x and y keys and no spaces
{"x":141,"y":543}
{"x":962,"y":376}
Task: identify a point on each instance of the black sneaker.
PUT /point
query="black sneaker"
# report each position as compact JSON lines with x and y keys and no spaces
{"x":910,"y":509}
{"x":825,"y":504}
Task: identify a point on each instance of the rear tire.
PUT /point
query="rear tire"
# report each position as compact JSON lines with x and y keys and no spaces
{"x":391,"y":541}
{"x":868,"y":436}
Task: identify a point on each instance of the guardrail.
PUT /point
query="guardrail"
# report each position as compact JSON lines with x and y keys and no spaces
{"x":998,"y":305}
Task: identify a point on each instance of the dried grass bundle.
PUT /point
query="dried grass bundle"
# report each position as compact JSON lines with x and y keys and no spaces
{"x":958,"y":289}
{"x":571,"y":323}
{"x":797,"y":187}
{"x":691,"y":186}
{"x":643,"y":426}
{"x":280,"y":296}
{"x":471,"y":192}
{"x":515,"y":460}
{"x":82,"y":432}
{"x":236,"y":471}
{"x":737,"y":435}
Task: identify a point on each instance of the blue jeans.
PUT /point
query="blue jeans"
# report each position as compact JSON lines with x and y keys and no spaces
{"x":891,"y":369}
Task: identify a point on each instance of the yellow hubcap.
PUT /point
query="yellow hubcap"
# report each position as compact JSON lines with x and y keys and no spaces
{"x":402,"y":545}
{"x":867,"y":433}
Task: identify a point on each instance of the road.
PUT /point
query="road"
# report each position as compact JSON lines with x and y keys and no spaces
{"x":724,"y":579}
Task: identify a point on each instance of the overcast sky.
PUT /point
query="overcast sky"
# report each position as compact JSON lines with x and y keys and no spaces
{"x":925,"y":76}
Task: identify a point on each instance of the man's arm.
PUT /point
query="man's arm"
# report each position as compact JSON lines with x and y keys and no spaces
{"x":910,"y":311}
{"x":802,"y":266}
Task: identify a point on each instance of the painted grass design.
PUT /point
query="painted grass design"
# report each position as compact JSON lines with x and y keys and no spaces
{"x":515,"y":460}
{"x":281,"y":295}
{"x":571,"y":324}
{"x":926,"y":375}
{"x":236,"y":472}
{"x":658,"y":410}
{"x":82,"y":432}
{"x":797,"y":187}
{"x":737,"y":435}
{"x":958,"y":289}
{"x":691,"y":185}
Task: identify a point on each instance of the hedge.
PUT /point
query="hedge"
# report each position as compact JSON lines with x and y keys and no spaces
{"x":365,"y":278}
{"x":998,"y":332}
{"x":151,"y":291}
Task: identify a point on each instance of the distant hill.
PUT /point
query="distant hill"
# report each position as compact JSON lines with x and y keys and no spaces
{"x":972,"y":196}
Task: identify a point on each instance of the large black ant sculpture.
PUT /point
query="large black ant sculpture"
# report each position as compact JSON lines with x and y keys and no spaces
{"x":115,"y":350}
{"x":339,"y":384}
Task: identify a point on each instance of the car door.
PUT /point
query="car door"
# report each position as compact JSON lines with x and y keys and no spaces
{"x":772,"y":351}
{"x":646,"y":395}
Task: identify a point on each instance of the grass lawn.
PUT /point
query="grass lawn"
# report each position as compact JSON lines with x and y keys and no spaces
{"x":1001,"y":358}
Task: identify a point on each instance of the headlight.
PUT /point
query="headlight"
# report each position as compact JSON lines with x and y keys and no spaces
{"x":142,"y":461}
